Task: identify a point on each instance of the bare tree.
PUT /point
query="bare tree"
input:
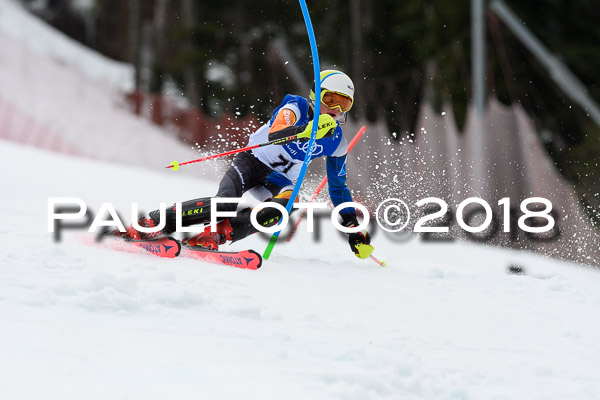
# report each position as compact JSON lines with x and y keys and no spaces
{"x":192,"y":83}
{"x":357,"y":70}
{"x":135,"y":39}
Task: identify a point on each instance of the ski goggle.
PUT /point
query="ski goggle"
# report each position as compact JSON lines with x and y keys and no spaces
{"x":336,"y":100}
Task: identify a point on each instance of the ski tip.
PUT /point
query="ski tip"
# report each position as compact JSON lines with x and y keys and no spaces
{"x":258,"y":257}
{"x":177,"y":244}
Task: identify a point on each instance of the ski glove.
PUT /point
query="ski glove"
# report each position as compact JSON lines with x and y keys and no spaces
{"x":326,"y":127}
{"x":360,"y":242}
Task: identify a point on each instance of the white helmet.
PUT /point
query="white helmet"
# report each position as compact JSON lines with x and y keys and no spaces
{"x":336,"y":82}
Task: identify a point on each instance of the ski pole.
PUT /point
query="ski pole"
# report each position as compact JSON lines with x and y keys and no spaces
{"x":381,"y":263}
{"x":366,"y":250}
{"x":175,"y":165}
{"x":354,"y":140}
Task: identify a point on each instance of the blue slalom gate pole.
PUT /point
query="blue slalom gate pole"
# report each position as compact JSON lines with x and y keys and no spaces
{"x":313,"y":134}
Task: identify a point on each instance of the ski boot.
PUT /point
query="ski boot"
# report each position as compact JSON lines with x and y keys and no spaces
{"x":132,"y":234}
{"x":211,"y":240}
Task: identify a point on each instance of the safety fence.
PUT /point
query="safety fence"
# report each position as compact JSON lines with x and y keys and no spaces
{"x":191,"y":124}
{"x":17,"y":125}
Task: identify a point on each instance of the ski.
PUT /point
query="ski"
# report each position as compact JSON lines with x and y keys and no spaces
{"x":169,"y":247}
{"x":248,"y":259}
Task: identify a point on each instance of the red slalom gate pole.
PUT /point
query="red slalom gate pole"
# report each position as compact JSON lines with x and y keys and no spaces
{"x":353,"y":142}
{"x":175,"y":165}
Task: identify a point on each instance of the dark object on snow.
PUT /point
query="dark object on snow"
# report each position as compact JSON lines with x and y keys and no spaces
{"x":516,"y":269}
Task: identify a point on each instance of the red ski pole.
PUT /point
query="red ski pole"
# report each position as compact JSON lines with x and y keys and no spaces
{"x":175,"y":165}
{"x":353,"y":142}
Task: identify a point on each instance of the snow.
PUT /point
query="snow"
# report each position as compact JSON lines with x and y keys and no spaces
{"x":443,"y":321}
{"x":56,"y":91}
{"x":43,"y":39}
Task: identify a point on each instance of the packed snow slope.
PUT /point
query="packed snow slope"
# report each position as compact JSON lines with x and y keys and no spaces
{"x":443,"y":321}
{"x":56,"y":93}
{"x":43,"y":39}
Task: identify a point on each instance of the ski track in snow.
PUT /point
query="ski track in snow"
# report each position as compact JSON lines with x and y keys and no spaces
{"x":443,"y":321}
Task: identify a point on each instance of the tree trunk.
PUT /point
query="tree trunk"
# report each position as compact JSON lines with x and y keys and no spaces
{"x":135,"y":38}
{"x":357,"y":59}
{"x":191,"y":78}
{"x":159,"y":50}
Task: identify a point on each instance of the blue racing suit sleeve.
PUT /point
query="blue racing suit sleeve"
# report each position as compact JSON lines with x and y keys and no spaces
{"x":338,"y":191}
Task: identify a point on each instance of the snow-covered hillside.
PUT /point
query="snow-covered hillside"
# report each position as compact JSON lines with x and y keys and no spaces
{"x":36,"y":35}
{"x":441,"y":322}
{"x":55,"y":90}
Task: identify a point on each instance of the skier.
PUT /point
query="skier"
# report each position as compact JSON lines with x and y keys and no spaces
{"x":274,"y":168}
